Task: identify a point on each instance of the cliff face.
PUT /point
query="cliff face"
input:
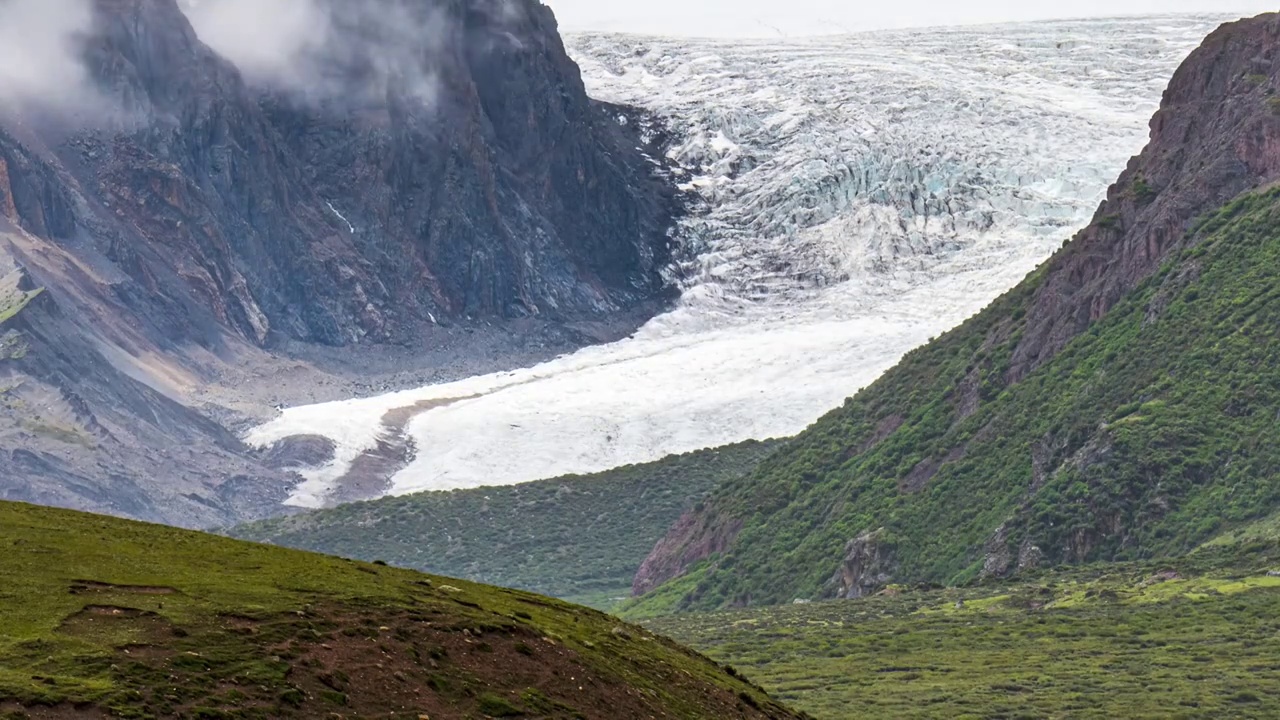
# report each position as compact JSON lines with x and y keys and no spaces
{"x":1215,"y":136}
{"x":1108,"y":407}
{"x":362,"y":212}
{"x":440,"y":163}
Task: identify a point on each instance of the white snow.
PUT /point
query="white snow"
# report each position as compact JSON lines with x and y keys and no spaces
{"x":341,"y":217}
{"x":864,"y":193}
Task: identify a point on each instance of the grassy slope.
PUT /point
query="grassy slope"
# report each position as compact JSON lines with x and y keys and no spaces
{"x":99,"y":615}
{"x":579,"y":538}
{"x":1155,"y":430}
{"x":1117,"y":641}
{"x":13,"y":302}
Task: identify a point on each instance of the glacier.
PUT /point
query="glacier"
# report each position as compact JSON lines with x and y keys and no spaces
{"x":856,"y":194}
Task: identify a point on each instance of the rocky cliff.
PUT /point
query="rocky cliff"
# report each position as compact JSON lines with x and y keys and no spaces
{"x":427,"y":163}
{"x":1215,"y":136}
{"x":1116,"y":404}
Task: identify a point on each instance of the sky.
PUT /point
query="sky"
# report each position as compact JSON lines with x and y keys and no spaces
{"x":774,"y":18}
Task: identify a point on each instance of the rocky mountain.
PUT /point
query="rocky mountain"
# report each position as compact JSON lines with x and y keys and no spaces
{"x":1119,"y":403}
{"x":425,"y":163}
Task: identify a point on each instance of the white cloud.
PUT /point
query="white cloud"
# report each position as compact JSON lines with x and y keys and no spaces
{"x":41,"y":62}
{"x":326,"y":50}
{"x":269,"y":40}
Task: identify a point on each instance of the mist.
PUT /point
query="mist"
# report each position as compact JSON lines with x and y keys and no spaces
{"x":323,"y":50}
{"x":41,"y":55}
{"x":268,"y":41}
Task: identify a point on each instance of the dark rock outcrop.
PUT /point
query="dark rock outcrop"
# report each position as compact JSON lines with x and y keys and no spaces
{"x":505,"y":192}
{"x":867,"y":566}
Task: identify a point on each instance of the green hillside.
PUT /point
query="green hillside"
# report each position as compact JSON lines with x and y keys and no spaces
{"x":1193,"y":638}
{"x":579,"y":538}
{"x":102,"y":617}
{"x":1150,"y":433}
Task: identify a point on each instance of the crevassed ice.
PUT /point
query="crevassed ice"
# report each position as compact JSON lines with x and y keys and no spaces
{"x":862,"y":194}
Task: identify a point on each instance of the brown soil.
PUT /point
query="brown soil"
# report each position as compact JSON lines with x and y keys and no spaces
{"x":414,"y":665}
{"x":92,"y":586}
{"x":57,"y":712}
{"x":418,"y":663}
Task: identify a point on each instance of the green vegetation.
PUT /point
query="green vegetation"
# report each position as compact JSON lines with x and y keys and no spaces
{"x":1152,"y":432}
{"x":1258,"y":79}
{"x":1182,"y":639}
{"x":14,"y":302}
{"x":578,"y":538}
{"x":99,"y":615}
{"x":1142,"y":191}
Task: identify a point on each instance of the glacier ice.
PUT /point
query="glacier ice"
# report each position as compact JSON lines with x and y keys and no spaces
{"x":859,"y":195}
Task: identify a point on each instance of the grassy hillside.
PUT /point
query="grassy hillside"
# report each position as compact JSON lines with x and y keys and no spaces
{"x":103,"y":617}
{"x":1150,"y":433}
{"x":579,"y":538}
{"x":12,"y":299}
{"x":1194,"y":638}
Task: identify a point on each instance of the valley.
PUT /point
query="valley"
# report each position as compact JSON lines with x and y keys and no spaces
{"x":578,"y":538}
{"x":1183,"y":638}
{"x":841,"y":225}
{"x":920,"y":373}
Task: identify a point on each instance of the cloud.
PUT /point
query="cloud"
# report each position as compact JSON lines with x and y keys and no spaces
{"x":42,"y":66}
{"x":268,"y":40}
{"x":325,"y":50}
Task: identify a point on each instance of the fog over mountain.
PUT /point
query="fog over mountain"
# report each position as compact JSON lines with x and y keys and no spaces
{"x":40,"y":62}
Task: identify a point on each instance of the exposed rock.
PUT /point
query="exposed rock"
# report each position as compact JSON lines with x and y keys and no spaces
{"x":341,"y":221}
{"x":1029,"y":556}
{"x":1217,"y":134}
{"x":867,"y":567}
{"x":694,"y":538}
{"x":998,"y":557}
{"x":300,"y":451}
{"x":77,"y":431}
{"x":918,"y":479}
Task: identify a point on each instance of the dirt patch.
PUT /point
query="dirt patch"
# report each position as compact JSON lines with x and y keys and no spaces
{"x":81,"y":587}
{"x":64,"y":711}
{"x":434,"y":667}
{"x":123,"y":627}
{"x":430,"y":661}
{"x":398,"y":418}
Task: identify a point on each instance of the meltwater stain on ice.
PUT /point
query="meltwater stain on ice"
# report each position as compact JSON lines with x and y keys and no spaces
{"x":864,"y":194}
